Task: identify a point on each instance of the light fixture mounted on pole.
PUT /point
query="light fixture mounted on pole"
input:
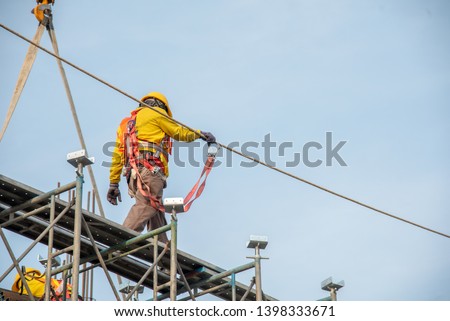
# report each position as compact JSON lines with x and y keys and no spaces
{"x":173,"y":206}
{"x":258,"y":243}
{"x":78,"y":160}
{"x":329,"y":285}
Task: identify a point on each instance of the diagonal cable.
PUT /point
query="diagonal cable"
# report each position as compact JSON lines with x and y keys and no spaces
{"x":227,"y":147}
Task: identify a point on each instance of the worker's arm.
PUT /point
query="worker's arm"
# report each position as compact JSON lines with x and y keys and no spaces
{"x":117,"y":159}
{"x":176,"y":131}
{"x":113,"y":194}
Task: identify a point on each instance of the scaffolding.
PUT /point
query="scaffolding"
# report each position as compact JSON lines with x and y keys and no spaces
{"x":66,"y":228}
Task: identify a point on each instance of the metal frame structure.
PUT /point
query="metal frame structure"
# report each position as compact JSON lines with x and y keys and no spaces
{"x":103,"y":243}
{"x":12,"y":220}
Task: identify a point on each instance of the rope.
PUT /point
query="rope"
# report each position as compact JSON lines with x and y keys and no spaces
{"x":224,"y":146}
{"x":52,"y":35}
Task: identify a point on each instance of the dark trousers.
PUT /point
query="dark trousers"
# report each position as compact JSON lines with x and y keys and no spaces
{"x":142,"y":214}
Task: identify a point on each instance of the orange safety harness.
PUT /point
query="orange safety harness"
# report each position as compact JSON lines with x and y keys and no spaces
{"x":135,"y":158}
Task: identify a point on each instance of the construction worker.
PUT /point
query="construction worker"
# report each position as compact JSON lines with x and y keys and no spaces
{"x":146,"y":168}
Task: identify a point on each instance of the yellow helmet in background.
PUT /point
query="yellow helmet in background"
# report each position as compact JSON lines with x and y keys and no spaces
{"x":159,"y":96}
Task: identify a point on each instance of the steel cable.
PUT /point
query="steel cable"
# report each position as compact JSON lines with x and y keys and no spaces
{"x":224,"y":146}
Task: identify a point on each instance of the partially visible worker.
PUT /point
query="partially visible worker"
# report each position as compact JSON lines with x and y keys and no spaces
{"x":146,"y":168}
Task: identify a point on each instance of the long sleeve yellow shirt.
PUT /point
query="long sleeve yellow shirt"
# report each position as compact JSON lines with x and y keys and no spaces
{"x":151,"y":127}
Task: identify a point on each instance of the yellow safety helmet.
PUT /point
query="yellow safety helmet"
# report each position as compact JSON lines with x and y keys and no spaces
{"x":159,"y":96}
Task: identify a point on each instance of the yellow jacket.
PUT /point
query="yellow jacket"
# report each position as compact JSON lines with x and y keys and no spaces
{"x":151,"y":127}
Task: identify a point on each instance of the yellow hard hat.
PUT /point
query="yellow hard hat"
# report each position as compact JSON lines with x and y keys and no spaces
{"x":159,"y":96}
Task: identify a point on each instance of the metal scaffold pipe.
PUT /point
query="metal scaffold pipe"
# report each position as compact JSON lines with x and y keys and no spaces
{"x":38,"y":199}
{"x":38,"y":239}
{"x":258,"y":281}
{"x":117,"y":247}
{"x":48,"y":268}
{"x":173,"y":257}
{"x":77,"y":233}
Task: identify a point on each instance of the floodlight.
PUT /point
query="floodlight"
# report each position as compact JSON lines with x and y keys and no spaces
{"x":257,"y":240}
{"x":328,"y":284}
{"x":56,"y":261}
{"x":174,"y":204}
{"x":126,"y":288}
{"x":79,"y":157}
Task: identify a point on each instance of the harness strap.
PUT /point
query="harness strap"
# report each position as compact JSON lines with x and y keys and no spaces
{"x":198,"y":188}
{"x":149,"y":145}
{"x":152,"y":162}
{"x":133,"y":158}
{"x":144,"y":189}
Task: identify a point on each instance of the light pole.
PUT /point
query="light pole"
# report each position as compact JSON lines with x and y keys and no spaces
{"x":77,"y":159}
{"x":173,"y":205}
{"x":258,"y":243}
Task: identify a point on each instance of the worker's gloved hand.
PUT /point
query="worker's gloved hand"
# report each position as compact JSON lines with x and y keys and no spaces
{"x":209,"y":138}
{"x":114,"y":194}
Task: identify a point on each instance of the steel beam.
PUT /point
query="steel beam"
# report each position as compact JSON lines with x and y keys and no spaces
{"x":117,"y":247}
{"x":38,"y":199}
{"x":24,"y":216}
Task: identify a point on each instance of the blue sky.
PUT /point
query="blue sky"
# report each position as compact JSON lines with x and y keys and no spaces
{"x":374,"y":73}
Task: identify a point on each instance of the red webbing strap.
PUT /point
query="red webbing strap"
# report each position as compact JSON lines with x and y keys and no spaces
{"x":154,"y":202}
{"x":198,"y":188}
{"x":147,"y":163}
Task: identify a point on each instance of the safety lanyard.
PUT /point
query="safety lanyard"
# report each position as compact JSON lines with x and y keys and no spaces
{"x":198,"y":188}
